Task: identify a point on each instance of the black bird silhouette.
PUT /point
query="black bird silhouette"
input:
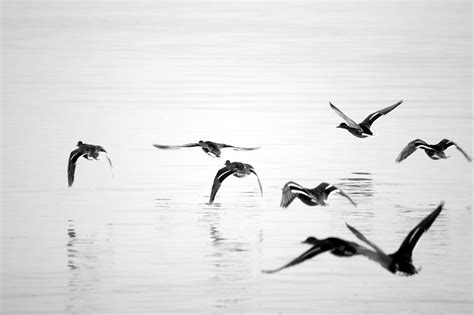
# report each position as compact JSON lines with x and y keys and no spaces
{"x":434,"y":151}
{"x":311,"y":197}
{"x":398,"y":262}
{"x":89,"y":152}
{"x":211,"y":148}
{"x":362,"y":130}
{"x":237,"y":169}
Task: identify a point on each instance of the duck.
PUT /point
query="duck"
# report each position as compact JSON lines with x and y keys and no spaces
{"x":434,"y":151}
{"x":211,"y":148}
{"x":237,"y":169}
{"x":312,"y":197}
{"x":400,"y":262}
{"x":362,"y":130}
{"x":89,"y":152}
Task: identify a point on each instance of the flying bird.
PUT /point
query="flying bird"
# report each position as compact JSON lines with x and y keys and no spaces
{"x":237,"y":169}
{"x":89,"y":152}
{"x":399,"y":262}
{"x":311,"y":197}
{"x":211,"y":148}
{"x":434,"y":151}
{"x":362,"y":130}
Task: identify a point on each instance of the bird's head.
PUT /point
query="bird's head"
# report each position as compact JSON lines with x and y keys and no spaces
{"x":200,"y":142}
{"x":343,"y":125}
{"x":227,"y":163}
{"x":79,"y":143}
{"x":310,"y":240}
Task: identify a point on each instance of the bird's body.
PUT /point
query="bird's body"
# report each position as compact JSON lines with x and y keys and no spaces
{"x":362,"y":130}
{"x":237,"y":169}
{"x":311,"y":197}
{"x":398,"y":262}
{"x":434,"y":151}
{"x":87,"y":151}
{"x":211,"y":148}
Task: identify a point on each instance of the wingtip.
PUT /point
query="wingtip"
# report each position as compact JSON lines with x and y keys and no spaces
{"x":351,"y":228}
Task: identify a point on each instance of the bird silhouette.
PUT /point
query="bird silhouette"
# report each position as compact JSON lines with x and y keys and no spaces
{"x":399,"y":262}
{"x":237,"y":169}
{"x":213,"y":149}
{"x":434,"y":151}
{"x":311,"y":197}
{"x":362,"y":130}
{"x":89,"y":152}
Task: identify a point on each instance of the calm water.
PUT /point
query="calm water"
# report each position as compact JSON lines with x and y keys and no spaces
{"x":126,"y":74}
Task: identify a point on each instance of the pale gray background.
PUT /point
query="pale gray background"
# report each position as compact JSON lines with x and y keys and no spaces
{"x":126,"y":74}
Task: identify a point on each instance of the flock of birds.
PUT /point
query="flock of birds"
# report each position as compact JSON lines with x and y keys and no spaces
{"x":398,"y":262}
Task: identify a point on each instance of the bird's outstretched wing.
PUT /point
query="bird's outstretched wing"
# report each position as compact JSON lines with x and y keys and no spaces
{"x":342,"y":193}
{"x":290,"y":191}
{"x":464,"y":153}
{"x":349,"y":121}
{"x":258,"y":179}
{"x":445,"y":143}
{"x":328,"y":188}
{"x":223,"y":145}
{"x":109,"y":160}
{"x":310,"y":253}
{"x":110,"y":163}
{"x":222,"y":174}
{"x":409,"y":243}
{"x":369,"y":120}
{"x":167,"y":147}
{"x":322,"y":187}
{"x":71,"y":166}
{"x":361,"y":237}
{"x":410,"y":148}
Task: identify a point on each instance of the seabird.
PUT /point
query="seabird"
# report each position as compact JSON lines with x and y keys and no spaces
{"x":434,"y":151}
{"x":211,"y":148}
{"x":89,"y":152}
{"x":362,"y":130}
{"x":311,"y":197}
{"x":237,"y":169}
{"x":399,"y":262}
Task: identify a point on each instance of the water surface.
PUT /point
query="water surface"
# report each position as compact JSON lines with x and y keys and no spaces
{"x":126,"y":75}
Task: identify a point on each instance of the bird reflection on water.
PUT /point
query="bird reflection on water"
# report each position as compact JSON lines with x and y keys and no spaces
{"x":231,"y":250}
{"x":71,"y":252}
{"x":86,"y":256}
